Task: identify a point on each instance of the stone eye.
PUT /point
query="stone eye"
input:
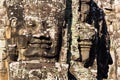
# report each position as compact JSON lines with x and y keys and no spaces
{"x":31,"y":24}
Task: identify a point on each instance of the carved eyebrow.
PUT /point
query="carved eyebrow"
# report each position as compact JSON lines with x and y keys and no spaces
{"x":30,"y":17}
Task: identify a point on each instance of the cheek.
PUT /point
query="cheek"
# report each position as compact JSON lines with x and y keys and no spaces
{"x":52,"y":33}
{"x":22,"y":32}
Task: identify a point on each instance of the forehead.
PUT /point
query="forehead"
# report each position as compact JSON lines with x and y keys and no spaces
{"x":34,"y":8}
{"x":43,"y":9}
{"x":43,"y":6}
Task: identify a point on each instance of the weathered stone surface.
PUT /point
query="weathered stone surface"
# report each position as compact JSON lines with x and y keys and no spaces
{"x":80,"y":72}
{"x":35,"y":70}
{"x":17,"y":29}
{"x":3,"y":54}
{"x":112,"y":18}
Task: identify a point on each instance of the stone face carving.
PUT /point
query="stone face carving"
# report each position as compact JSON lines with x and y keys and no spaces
{"x":37,"y":27}
{"x":44,"y":25}
{"x":36,"y":34}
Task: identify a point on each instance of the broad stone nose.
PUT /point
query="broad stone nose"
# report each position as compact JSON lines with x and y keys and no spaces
{"x":42,"y":30}
{"x":40,"y":34}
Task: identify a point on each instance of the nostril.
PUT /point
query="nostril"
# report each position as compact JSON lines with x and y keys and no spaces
{"x":41,"y":36}
{"x":47,"y":35}
{"x":45,"y":32}
{"x":36,"y":35}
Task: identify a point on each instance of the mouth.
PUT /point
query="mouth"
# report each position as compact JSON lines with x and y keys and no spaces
{"x":41,"y":43}
{"x":40,"y":48}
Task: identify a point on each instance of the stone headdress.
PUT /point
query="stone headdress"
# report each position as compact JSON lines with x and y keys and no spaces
{"x":37,"y":8}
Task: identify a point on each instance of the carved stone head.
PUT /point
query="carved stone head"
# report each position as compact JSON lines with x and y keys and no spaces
{"x":40,"y":30}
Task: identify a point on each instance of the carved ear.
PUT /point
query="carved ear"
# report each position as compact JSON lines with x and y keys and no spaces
{"x":8,"y":31}
{"x":13,"y":22}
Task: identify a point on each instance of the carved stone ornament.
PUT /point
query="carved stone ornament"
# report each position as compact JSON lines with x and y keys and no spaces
{"x":86,"y":33}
